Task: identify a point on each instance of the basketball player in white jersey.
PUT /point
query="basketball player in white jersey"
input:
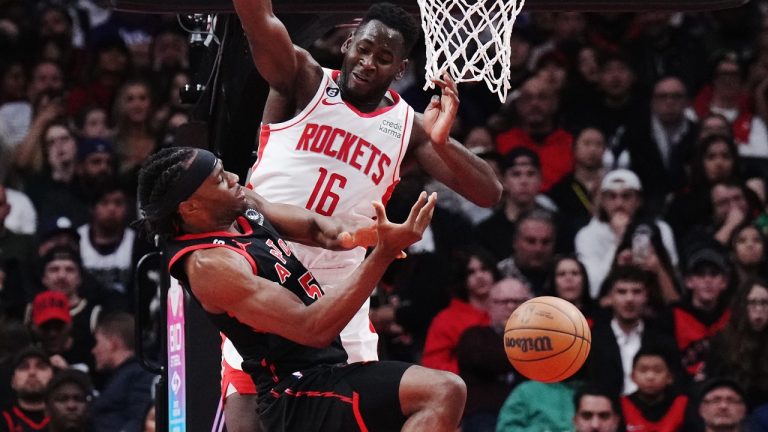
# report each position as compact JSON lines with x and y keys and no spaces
{"x":333,"y":141}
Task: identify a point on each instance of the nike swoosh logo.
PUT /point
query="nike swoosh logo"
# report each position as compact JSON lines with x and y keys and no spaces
{"x":325,"y":102}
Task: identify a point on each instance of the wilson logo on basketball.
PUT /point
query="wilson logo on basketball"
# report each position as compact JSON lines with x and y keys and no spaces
{"x":542,"y":343}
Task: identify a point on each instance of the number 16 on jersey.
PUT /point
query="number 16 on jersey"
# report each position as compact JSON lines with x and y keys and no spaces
{"x":328,"y":199}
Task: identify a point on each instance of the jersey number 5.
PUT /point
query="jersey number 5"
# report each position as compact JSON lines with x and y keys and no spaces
{"x":310,"y":287}
{"x":329,"y":199}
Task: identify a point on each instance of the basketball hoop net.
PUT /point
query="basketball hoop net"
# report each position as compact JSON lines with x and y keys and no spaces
{"x":469,"y":39}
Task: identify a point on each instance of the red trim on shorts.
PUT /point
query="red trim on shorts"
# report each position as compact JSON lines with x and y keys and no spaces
{"x":241,"y":381}
{"x":312,"y":393}
{"x":356,"y":411}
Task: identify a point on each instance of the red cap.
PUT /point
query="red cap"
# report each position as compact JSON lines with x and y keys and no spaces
{"x":50,"y":305}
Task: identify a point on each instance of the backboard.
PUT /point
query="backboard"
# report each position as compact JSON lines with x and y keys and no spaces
{"x":347,"y":6}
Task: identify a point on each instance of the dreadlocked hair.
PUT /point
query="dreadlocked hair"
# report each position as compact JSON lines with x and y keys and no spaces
{"x":161,"y":170}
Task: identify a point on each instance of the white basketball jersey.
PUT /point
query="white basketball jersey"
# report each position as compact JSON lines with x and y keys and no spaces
{"x":333,"y":159}
{"x":113,"y":270}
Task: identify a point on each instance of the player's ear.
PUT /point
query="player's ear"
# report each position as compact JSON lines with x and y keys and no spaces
{"x":187,"y":207}
{"x":401,"y":70}
{"x":347,"y":43}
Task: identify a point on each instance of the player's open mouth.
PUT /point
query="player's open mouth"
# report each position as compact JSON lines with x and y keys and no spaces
{"x":240,"y":194}
{"x":359,"y":78}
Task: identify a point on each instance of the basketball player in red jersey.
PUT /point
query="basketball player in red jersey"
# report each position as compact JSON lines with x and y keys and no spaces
{"x":332,"y":141}
{"x":231,"y":257}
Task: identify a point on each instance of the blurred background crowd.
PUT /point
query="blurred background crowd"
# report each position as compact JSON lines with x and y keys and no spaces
{"x":633,"y":152}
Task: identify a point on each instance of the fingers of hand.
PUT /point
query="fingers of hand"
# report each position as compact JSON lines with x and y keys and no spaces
{"x":426,"y":212}
{"x":381,"y":214}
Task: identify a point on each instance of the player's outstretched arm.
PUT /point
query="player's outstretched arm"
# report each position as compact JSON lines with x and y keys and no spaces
{"x":446,"y":159}
{"x":276,"y":58}
{"x":224,"y":283}
{"x":303,"y":226}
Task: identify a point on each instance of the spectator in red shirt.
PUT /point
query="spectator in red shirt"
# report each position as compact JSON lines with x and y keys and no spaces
{"x":477,"y":274}
{"x":537,"y":105}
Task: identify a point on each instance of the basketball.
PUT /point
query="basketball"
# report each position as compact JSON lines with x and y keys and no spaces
{"x":547,"y":339}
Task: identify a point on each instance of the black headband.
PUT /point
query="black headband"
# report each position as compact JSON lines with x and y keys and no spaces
{"x":191,"y":179}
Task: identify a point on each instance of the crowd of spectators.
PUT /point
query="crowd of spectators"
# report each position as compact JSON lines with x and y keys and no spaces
{"x":633,"y":152}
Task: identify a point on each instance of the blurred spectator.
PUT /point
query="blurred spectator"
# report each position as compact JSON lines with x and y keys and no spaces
{"x":67,"y":401}
{"x":726,"y":95}
{"x":715,"y":159}
{"x":729,"y":206}
{"x":31,"y":374}
{"x":15,"y":336}
{"x":108,"y":67}
{"x":619,"y":207}
{"x":51,"y":325}
{"x":569,"y":281}
{"x":704,"y":311}
{"x":56,"y":43}
{"x":660,"y":144}
{"x":534,"y":406}
{"x":618,"y":337}
{"x":575,"y":193}
{"x":108,"y":247}
{"x":53,"y":190}
{"x":62,"y":273}
{"x":643,"y":246}
{"x":483,"y":363}
{"x":537,"y":105}
{"x":533,"y":245}
{"x":740,"y":350}
{"x":22,"y":121}
{"x":714,"y":124}
{"x":134,"y":133}
{"x":91,"y":122}
{"x":596,"y":410}
{"x":722,"y":407}
{"x":615,"y":107}
{"x":170,"y":50}
{"x":170,"y":100}
{"x":95,"y":168}
{"x":123,"y":401}
{"x":656,"y":405}
{"x":748,"y":249}
{"x":521,"y":180}
{"x":476,"y":274}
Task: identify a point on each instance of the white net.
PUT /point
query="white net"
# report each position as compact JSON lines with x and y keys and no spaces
{"x":470,"y":40}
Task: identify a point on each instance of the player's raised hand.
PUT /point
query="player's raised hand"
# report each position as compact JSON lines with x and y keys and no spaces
{"x":396,"y":237}
{"x":441,"y":111}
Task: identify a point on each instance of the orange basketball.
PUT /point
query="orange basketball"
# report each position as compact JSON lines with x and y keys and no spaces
{"x":547,"y":339}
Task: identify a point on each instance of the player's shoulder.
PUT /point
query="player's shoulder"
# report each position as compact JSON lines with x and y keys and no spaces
{"x":213,"y":260}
